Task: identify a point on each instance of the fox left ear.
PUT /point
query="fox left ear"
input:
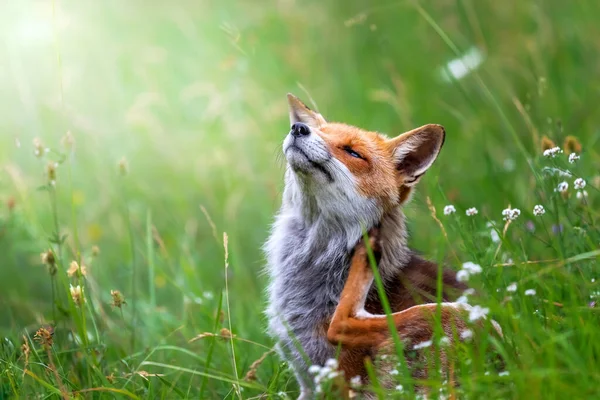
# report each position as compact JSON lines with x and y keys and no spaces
{"x":415,"y":151}
{"x":299,"y":112}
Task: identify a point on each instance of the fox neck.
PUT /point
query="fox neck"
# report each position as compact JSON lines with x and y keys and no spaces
{"x":335,"y":214}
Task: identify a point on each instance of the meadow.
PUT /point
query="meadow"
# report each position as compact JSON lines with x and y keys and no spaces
{"x":141,"y":166}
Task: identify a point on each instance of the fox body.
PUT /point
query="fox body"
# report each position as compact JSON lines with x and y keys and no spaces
{"x":339,"y":181}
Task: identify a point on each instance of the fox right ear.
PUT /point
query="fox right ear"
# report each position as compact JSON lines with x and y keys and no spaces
{"x":299,"y":112}
{"x":415,"y":151}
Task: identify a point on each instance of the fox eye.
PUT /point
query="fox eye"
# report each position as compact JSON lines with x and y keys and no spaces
{"x":353,"y":153}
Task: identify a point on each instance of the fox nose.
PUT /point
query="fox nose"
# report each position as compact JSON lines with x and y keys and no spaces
{"x":300,"y":129}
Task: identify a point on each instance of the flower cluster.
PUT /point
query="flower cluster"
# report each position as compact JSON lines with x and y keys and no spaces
{"x":324,"y":374}
{"x":553,"y":152}
{"x":469,"y":268}
{"x":510,"y":214}
{"x":449,"y":209}
{"x":471,"y":211}
{"x":573,"y":157}
{"x":478,"y":312}
{"x":579,"y":184}
{"x":539,"y":210}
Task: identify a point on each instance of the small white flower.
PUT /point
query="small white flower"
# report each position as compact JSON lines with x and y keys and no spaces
{"x":449,"y":209}
{"x":356,"y":381}
{"x":422,"y":345}
{"x":504,"y":373}
{"x":579,"y":184}
{"x":208,"y":295}
{"x":331,"y":363}
{"x":512,"y":287}
{"x":530,"y":292}
{"x":539,"y":210}
{"x":394,"y":372}
{"x":444,"y":340}
{"x":511,"y":213}
{"x":573,"y":157}
{"x":471,"y":211}
{"x":466,"y":334}
{"x":582,"y":194}
{"x":399,"y":388}
{"x":477,"y":312}
{"x":462,"y":275}
{"x":462,"y":300}
{"x":494,"y":235}
{"x":553,"y":152}
{"x":314,"y":369}
{"x":333,"y":375}
{"x":469,"y":292}
{"x":562,"y":187}
{"x":472,"y":268}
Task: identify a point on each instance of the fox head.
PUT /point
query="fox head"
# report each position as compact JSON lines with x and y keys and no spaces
{"x":345,"y":173}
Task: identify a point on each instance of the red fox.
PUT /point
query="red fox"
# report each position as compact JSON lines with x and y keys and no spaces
{"x":339,"y":181}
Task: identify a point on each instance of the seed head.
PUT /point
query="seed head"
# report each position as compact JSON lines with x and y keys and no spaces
{"x":51,"y":172}
{"x":68,"y":141}
{"x":572,"y":145}
{"x":77,"y":295}
{"x":76,"y":270}
{"x":117,"y":299}
{"x":38,"y":148}
{"x":49,"y":259}
{"x":547,"y":143}
{"x":123,"y":166}
{"x":44,"y":337}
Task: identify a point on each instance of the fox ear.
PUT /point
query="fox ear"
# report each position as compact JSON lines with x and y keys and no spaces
{"x":299,"y":112}
{"x":415,"y":151}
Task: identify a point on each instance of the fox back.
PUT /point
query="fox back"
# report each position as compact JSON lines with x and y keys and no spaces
{"x":341,"y":180}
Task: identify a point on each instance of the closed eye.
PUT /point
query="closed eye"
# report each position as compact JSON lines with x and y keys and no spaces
{"x":353,"y":153}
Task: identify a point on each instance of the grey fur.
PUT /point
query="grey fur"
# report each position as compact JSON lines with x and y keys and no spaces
{"x":308,"y":253}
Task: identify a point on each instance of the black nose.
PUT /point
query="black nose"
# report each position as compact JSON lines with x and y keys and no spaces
{"x":300,"y":129}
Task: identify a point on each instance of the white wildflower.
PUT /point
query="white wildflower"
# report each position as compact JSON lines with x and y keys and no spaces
{"x":539,"y":210}
{"x":510,"y":214}
{"x":579,"y":184}
{"x":449,"y":209}
{"x":422,"y":345}
{"x":466,"y":334}
{"x":562,"y":187}
{"x":471,"y":211}
{"x":472,"y":268}
{"x":530,"y":292}
{"x":356,"y":381}
{"x":394,"y":372}
{"x":477,"y":312}
{"x":444,"y":340}
{"x":314,"y":369}
{"x":573,"y":157}
{"x":582,"y":194}
{"x":462,"y":275}
{"x":553,"y":152}
{"x":512,"y":287}
{"x":399,"y":388}
{"x":504,"y":373}
{"x":462,"y":300}
{"x":494,"y":235}
{"x":332,"y":363}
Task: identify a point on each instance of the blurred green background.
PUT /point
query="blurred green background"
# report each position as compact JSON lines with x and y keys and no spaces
{"x":192,"y":95}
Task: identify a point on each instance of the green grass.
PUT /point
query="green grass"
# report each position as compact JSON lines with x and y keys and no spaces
{"x":192,"y":95}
